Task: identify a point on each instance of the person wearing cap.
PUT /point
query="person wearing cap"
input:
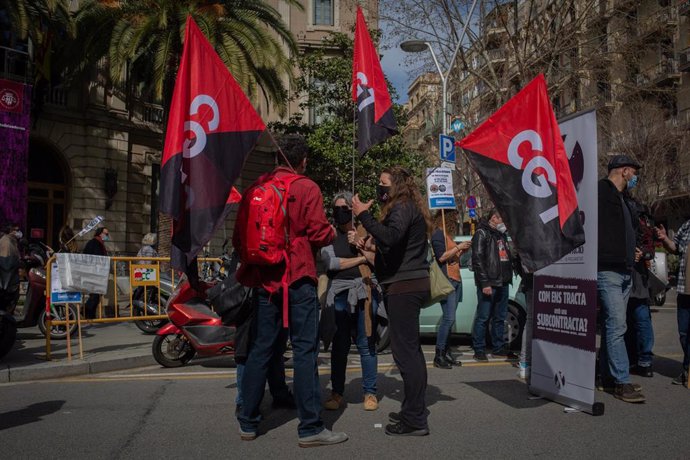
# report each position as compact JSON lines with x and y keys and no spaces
{"x":617,"y":256}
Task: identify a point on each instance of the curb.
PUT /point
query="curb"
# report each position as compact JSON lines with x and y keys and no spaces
{"x":60,"y":369}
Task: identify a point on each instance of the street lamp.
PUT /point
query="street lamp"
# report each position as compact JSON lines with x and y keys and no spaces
{"x":417,"y":46}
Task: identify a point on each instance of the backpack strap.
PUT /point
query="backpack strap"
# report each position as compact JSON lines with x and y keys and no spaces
{"x":288,"y":180}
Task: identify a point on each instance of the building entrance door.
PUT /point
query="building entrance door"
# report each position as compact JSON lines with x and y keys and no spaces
{"x":48,"y":194}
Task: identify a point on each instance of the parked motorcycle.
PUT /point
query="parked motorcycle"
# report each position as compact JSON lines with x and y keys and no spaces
{"x":9,"y":293}
{"x":151,"y":305}
{"x":194,"y":328}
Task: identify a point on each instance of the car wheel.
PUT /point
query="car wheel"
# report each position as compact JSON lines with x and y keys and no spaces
{"x":514,"y":326}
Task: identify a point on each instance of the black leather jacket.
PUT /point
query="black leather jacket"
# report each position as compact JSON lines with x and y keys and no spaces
{"x":488,"y":268}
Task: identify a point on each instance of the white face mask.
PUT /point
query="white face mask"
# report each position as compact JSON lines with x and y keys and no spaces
{"x":501,"y":227}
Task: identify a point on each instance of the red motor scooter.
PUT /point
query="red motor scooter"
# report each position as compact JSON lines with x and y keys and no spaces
{"x":194,"y":328}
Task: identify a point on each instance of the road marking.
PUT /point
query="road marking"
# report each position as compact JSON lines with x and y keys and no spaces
{"x":213,"y":375}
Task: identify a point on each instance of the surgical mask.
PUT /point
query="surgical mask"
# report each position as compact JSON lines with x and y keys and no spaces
{"x":342,"y":215}
{"x":382,"y":192}
{"x":106,"y":237}
{"x":501,"y":227}
{"x":632,"y":182}
{"x":18,"y":235}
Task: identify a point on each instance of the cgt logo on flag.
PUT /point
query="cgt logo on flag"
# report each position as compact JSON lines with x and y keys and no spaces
{"x":375,"y":120}
{"x":519,"y":155}
{"x":212,"y":128}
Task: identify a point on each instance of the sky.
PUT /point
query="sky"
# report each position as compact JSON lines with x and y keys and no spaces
{"x":393,"y":64}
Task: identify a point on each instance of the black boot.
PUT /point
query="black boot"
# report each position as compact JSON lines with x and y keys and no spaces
{"x":440,"y":360}
{"x":450,"y":358}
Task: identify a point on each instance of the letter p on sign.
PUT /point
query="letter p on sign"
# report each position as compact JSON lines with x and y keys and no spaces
{"x":447,"y":148}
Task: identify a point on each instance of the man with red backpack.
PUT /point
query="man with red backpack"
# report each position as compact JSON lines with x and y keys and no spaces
{"x":280,"y":224}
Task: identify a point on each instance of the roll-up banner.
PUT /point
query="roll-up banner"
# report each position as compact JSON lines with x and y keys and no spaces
{"x":565,"y":293}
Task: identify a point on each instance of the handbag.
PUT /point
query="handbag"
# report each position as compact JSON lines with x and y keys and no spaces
{"x":440,"y":285}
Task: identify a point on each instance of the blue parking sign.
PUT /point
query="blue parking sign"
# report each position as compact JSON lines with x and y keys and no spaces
{"x":447,"y":148}
{"x":472,"y":213}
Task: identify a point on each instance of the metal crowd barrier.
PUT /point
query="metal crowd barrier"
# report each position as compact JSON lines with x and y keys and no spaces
{"x":126,"y":275}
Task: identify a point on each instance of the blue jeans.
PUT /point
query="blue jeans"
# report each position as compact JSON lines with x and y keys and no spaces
{"x":269,"y":340}
{"x":494,"y":306}
{"x":449,"y":305}
{"x":275,"y":376}
{"x":352,"y":325}
{"x":683,"y":315}
{"x":639,"y":338}
{"x":613,"y":289}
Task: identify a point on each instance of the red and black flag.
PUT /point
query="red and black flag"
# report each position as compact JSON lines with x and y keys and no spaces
{"x":519,"y":155}
{"x":212,"y":127}
{"x":375,"y":120}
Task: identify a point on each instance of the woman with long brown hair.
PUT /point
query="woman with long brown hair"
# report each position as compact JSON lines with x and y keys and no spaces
{"x":447,"y":254}
{"x":402,"y":270}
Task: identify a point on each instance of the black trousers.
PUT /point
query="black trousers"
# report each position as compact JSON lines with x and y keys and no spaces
{"x":91,"y":306}
{"x":403,"y":322}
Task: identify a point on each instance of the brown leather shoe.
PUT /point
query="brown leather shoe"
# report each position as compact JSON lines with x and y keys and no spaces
{"x":334,"y":402}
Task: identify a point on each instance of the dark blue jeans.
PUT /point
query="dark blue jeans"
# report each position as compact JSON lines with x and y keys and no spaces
{"x":639,"y":336}
{"x":683,"y":302}
{"x":269,"y":339}
{"x":494,"y":306}
{"x":352,"y":325}
{"x":275,"y":376}
{"x":449,"y":306}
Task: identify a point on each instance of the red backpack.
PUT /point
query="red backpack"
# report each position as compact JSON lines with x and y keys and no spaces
{"x":265,"y":237}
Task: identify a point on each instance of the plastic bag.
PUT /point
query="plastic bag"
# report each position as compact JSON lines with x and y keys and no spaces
{"x":84,"y":272}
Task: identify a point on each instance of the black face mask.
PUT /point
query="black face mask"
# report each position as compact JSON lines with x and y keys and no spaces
{"x":382,"y":192}
{"x":342,"y":215}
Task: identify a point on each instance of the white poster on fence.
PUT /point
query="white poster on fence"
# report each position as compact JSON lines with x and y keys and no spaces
{"x":565,"y":293}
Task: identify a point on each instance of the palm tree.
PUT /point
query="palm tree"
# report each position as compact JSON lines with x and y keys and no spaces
{"x":37,"y":19}
{"x":142,"y":40}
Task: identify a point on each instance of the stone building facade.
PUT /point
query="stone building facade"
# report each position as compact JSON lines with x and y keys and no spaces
{"x":94,"y":152}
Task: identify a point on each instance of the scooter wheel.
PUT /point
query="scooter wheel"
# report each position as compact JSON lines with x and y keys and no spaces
{"x":172,"y":350}
{"x":8,"y":334}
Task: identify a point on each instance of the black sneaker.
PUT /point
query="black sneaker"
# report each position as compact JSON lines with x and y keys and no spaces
{"x":626,"y":392}
{"x":682,"y":379}
{"x":643,"y":371}
{"x":400,"y":429}
{"x":394,"y":417}
{"x":504,"y":353}
{"x":480,"y":356}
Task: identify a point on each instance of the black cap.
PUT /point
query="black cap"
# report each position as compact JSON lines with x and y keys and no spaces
{"x":618,"y":161}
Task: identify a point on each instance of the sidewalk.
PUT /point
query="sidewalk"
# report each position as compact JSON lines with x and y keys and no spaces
{"x":107,"y":347}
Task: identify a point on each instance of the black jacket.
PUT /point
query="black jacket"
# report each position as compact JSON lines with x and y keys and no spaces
{"x":488,"y":268}
{"x":614,"y":245}
{"x":401,"y":244}
{"x":95,"y":247}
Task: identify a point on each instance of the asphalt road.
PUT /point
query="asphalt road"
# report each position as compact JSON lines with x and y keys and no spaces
{"x":477,"y":411}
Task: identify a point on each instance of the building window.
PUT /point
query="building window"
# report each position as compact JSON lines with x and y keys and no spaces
{"x":323,"y":12}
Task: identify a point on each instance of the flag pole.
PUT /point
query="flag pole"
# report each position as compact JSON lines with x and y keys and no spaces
{"x":354,"y":148}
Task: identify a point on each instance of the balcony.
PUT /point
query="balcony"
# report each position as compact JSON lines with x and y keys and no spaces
{"x":652,"y":27}
{"x":496,"y":55}
{"x":665,"y":72}
{"x":684,"y":60}
{"x":684,"y":7}
{"x":15,"y":65}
